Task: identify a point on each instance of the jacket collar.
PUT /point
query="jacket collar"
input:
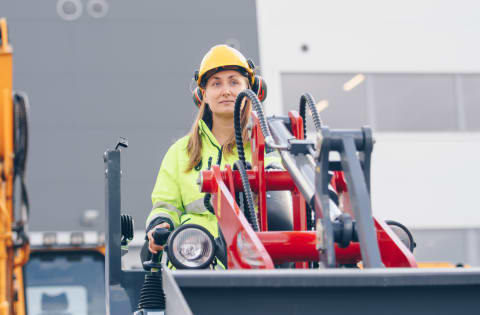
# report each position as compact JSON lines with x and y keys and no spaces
{"x":205,"y":131}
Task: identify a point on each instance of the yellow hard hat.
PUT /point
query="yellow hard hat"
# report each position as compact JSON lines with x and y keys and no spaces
{"x":224,"y":57}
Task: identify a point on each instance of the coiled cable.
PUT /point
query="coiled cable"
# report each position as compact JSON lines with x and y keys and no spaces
{"x":257,"y":106}
{"x":126,"y":225}
{"x":247,"y":192}
{"x":21,"y":109}
{"x":238,"y":127}
{"x":307,"y":99}
{"x":241,"y":164}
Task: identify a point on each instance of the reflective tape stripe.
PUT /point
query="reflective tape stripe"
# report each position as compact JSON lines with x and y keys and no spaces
{"x":219,"y":265}
{"x":196,"y":206}
{"x":160,"y":215}
{"x":169,"y":207}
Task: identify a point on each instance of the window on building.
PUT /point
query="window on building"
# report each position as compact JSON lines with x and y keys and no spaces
{"x":390,"y":102}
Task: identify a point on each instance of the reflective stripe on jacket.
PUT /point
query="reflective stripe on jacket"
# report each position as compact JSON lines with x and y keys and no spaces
{"x":176,"y":195}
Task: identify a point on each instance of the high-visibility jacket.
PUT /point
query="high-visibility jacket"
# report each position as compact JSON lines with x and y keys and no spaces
{"x":176,"y":196}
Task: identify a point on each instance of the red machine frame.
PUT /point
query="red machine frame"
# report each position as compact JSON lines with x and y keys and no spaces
{"x":247,"y":249}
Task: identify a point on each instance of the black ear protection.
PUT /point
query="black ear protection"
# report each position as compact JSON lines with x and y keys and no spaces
{"x":197,"y":96}
{"x":259,"y":87}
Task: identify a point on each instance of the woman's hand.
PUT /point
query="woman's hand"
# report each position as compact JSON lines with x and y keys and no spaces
{"x":152,"y":247}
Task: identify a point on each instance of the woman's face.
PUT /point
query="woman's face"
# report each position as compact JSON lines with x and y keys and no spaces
{"x":221,"y":91}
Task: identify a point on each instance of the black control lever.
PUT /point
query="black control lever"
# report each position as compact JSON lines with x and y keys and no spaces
{"x":152,"y":297}
{"x":160,"y":236}
{"x":122,"y":142}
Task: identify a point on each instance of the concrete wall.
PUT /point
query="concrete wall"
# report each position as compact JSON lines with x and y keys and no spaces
{"x":92,"y":79}
{"x":366,"y":36}
{"x":424,"y":179}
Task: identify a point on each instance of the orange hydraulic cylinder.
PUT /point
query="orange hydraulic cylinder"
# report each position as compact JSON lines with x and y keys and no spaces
{"x":6,"y":173}
{"x":19,"y":308}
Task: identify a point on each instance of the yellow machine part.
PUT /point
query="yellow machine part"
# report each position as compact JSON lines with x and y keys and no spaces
{"x":9,"y":264}
{"x":440,"y":264}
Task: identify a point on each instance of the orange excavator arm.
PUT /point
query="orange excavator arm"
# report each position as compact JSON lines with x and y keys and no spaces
{"x":11,"y":260}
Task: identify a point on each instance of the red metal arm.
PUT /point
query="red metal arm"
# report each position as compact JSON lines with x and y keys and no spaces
{"x":244,"y":249}
{"x":247,"y":249}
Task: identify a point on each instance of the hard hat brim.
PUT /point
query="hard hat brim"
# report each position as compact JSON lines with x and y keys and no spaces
{"x":208,"y":74}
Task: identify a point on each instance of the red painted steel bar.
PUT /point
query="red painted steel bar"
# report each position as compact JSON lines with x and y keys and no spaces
{"x":392,"y":251}
{"x":258,"y":159}
{"x":244,"y":249}
{"x":247,"y":249}
{"x":299,"y":206}
{"x":274,"y":180}
{"x":300,"y":246}
{"x":285,"y":246}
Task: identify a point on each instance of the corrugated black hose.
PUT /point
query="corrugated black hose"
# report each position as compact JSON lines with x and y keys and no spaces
{"x":238,"y":127}
{"x":247,"y":192}
{"x":240,"y":197}
{"x":126,"y":227}
{"x":257,"y":106}
{"x":307,"y":99}
{"x":241,"y":164}
{"x":21,"y":109}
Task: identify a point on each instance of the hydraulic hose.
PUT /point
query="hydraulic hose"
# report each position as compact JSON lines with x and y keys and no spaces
{"x":206,"y":203}
{"x":126,"y":226}
{"x":241,"y":164}
{"x":240,"y":197}
{"x":257,"y":106}
{"x":21,"y":132}
{"x":21,"y":109}
{"x":237,"y":125}
{"x":247,"y":192}
{"x":307,"y":99}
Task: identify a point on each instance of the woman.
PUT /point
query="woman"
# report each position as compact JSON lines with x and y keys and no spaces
{"x":224,"y":72}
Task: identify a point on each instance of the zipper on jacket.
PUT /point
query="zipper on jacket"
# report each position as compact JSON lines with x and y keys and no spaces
{"x":219,"y":158}
{"x":209,"y":163}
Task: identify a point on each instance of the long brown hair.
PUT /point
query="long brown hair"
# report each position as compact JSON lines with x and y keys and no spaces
{"x":194,"y":147}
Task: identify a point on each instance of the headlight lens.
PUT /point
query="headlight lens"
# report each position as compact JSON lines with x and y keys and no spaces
{"x":191,"y":247}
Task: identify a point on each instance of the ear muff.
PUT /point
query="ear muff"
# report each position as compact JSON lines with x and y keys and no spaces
{"x":197,"y":97}
{"x":260,"y":88}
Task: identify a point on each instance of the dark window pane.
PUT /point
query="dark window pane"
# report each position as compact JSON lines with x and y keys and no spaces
{"x":65,"y":283}
{"x":471,"y":99}
{"x":414,"y":102}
